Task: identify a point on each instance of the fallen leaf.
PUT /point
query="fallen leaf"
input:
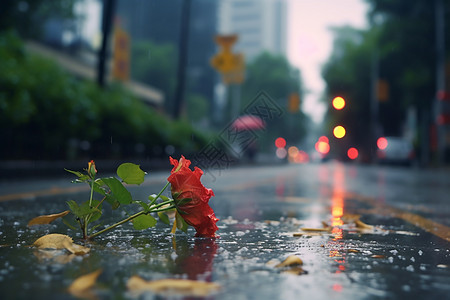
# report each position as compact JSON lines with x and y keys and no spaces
{"x":47,"y":219}
{"x":309,"y":234}
{"x":75,"y":249}
{"x":291,"y":260}
{"x":84,"y":283}
{"x":349,"y":218}
{"x":296,"y":271}
{"x":378,"y":256}
{"x":362,"y":225}
{"x":60,"y":241}
{"x":353,"y":251}
{"x":56,"y":256}
{"x":52,"y":241}
{"x":326,"y":229}
{"x":181,"y":286}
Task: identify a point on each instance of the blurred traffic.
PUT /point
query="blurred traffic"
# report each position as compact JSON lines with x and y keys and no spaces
{"x":119,"y":79}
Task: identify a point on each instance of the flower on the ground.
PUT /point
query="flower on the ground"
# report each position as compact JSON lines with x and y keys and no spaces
{"x":191,"y":197}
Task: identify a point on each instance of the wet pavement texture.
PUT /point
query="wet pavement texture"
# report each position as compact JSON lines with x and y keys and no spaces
{"x":266,"y":214}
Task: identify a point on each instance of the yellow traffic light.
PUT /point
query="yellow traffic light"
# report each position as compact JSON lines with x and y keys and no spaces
{"x":338,"y":103}
{"x":294,"y":103}
{"x":339,"y":132}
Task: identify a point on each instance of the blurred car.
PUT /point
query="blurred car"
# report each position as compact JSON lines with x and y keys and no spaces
{"x":395,"y":150}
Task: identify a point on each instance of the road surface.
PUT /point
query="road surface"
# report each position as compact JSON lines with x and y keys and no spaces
{"x":362,"y":232}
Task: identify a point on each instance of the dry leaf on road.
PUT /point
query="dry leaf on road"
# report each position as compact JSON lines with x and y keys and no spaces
{"x":83,"y":284}
{"x":60,"y":241}
{"x":52,"y":241}
{"x":292,"y":260}
{"x":47,"y":219}
{"x":179,"y":286}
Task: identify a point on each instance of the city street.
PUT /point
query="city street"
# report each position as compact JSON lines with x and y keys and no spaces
{"x":362,"y":232}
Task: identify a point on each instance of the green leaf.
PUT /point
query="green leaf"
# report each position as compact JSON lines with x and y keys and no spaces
{"x":181,"y":223}
{"x":98,"y":187}
{"x":143,"y":222}
{"x":84,"y":209}
{"x":142,"y":204}
{"x":164,"y":218}
{"x":131,"y":173}
{"x":68,"y":224}
{"x":81,"y":177}
{"x":118,"y":190}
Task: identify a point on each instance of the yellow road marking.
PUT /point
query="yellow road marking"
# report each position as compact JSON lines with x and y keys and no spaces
{"x":428,"y":225}
{"x":47,"y":192}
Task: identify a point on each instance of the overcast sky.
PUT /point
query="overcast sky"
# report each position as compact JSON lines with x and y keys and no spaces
{"x":310,"y":42}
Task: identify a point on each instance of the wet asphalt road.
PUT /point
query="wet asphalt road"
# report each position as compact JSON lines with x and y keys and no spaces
{"x":314,"y":211}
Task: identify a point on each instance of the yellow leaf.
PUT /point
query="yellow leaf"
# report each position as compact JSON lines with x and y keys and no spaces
{"x":47,"y":219}
{"x":295,"y":271}
{"x":180,"y":286}
{"x":54,"y":255}
{"x":292,"y":260}
{"x":52,"y":241}
{"x":75,"y":249}
{"x":316,"y":229}
{"x":84,"y":283}
{"x":362,"y":225}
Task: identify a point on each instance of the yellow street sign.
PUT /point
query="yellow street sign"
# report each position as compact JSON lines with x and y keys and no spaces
{"x":230,"y":65}
{"x":121,"y":58}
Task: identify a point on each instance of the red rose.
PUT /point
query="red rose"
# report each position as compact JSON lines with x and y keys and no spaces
{"x":191,"y":197}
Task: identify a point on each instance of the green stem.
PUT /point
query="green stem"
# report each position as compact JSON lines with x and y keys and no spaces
{"x":159,"y":194}
{"x":160,"y":204}
{"x":86,"y":219}
{"x":118,"y":223}
{"x":142,"y":212}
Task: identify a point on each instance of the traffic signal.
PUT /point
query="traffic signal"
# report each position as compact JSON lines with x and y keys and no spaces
{"x":339,"y":132}
{"x":338,"y":103}
{"x":294,"y":103}
{"x":352,"y":153}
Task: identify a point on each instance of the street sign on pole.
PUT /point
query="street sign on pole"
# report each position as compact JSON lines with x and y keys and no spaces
{"x":121,"y":58}
{"x":230,"y":65}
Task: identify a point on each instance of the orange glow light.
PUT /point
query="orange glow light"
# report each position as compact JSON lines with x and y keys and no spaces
{"x":322,"y":147}
{"x":382,"y":143}
{"x":338,"y":103}
{"x":339,"y":132}
{"x":352,"y":153}
{"x":280,"y":142}
{"x":324,"y":139}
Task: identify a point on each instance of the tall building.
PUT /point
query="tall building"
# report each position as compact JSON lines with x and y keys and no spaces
{"x":260,"y":24}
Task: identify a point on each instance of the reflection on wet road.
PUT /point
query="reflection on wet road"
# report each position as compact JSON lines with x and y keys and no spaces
{"x":362,"y":232}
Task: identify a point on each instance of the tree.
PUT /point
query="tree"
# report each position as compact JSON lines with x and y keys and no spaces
{"x":279,"y":79}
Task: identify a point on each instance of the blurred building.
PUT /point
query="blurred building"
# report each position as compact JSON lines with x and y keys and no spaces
{"x":260,"y":24}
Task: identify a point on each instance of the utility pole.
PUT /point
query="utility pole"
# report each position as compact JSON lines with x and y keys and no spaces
{"x":107,"y":16}
{"x":440,"y":79}
{"x":182,"y":57}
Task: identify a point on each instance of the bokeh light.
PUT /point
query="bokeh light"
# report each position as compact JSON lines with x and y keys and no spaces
{"x":338,"y":103}
{"x":352,"y":153}
{"x":382,"y":143}
{"x":280,"y":142}
{"x":339,"y":131}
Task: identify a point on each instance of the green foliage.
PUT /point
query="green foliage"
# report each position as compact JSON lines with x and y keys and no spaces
{"x":154,"y":64}
{"x":131,"y":173}
{"x":118,"y":191}
{"x":47,"y":114}
{"x":143,"y":222}
{"x":279,"y":79}
{"x":400,"y":49}
{"x":28,"y":16}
